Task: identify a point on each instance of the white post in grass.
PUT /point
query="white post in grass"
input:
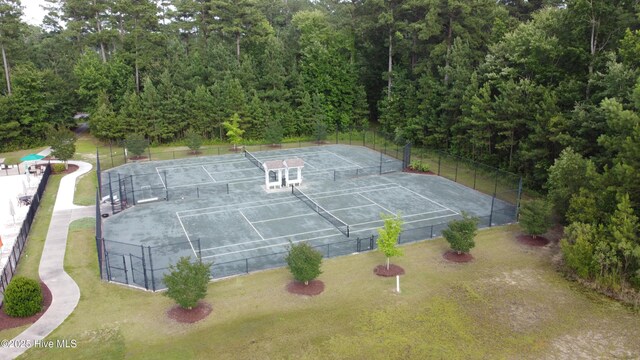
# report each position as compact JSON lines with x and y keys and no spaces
{"x":398,"y":284}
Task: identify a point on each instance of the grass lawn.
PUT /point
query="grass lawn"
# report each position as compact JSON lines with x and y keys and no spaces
{"x":508,"y":303}
{"x":13,"y":157}
{"x":86,"y":185}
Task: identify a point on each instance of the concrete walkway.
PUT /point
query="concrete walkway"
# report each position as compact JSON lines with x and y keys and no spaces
{"x":65,"y":291}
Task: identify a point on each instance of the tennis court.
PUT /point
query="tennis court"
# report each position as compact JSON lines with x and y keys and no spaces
{"x":247,"y":222}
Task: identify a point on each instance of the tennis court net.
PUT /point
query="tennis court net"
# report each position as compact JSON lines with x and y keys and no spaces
{"x":253,"y":159}
{"x":339,"y":224}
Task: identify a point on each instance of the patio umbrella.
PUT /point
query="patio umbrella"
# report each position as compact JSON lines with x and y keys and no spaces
{"x":32,"y":157}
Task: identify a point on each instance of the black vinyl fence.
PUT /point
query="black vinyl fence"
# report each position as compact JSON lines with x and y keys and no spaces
{"x":18,"y":247}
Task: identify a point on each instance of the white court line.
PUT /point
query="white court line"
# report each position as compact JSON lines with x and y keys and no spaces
{"x":268,"y":239}
{"x":239,"y":161}
{"x":238,"y":209}
{"x":160,"y":176}
{"x":235,"y":161}
{"x":426,"y":198}
{"x":283,"y":218}
{"x":187,"y":235}
{"x":352,"y":193}
{"x":250,"y":179}
{"x":270,"y":202}
{"x":406,"y":222}
{"x":305,"y":240}
{"x":267,"y":246}
{"x":406,"y":216}
{"x":349,"y":161}
{"x":254,"y":228}
{"x":208,"y":173}
{"x":380,"y":206}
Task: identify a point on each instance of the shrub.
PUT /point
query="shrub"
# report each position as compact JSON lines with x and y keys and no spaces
{"x":193,"y":140}
{"x":460,"y":233}
{"x":58,"y":168}
{"x":419,"y":166}
{"x":535,"y":217}
{"x":578,"y":248}
{"x":187,"y":282}
{"x":304,"y":262}
{"x":136,"y":144}
{"x":23,"y":297}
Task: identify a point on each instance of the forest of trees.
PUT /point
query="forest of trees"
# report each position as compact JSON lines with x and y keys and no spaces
{"x":511,"y":83}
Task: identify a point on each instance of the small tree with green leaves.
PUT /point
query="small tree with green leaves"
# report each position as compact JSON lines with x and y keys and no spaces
{"x":273,"y":134}
{"x":136,"y":144}
{"x":187,"y":282}
{"x":460,"y":233}
{"x":63,"y":144}
{"x":234,"y":132}
{"x":320,"y":131}
{"x":388,"y":236}
{"x":535,"y":217}
{"x":193,"y":140}
{"x":304,"y":262}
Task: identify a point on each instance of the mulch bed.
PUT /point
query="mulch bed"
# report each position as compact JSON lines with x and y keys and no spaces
{"x":419,"y":172}
{"x":275,"y":146}
{"x":8,"y":322}
{"x":531,"y":241}
{"x":394,"y":270}
{"x":453,"y":256}
{"x":71,"y":168}
{"x":201,"y":311}
{"x":314,"y":288}
{"x":138,"y":158}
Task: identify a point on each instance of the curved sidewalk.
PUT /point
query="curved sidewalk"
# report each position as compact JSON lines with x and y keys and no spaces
{"x":64,"y":290}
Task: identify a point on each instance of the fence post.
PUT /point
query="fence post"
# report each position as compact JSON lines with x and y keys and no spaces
{"x":124,"y":266}
{"x":199,"y":251}
{"x":246,"y":265}
{"x":149,"y":151}
{"x":113,"y":209}
{"x":198,"y":192}
{"x":456,"y":176}
{"x":518,"y":198}
{"x":166,"y":186}
{"x":475,"y":176}
{"x":153,"y":279}
{"x":122,"y":199}
{"x":431,"y":236}
{"x":107,"y":265}
{"x":380,"y":162}
{"x":111,"y":153}
{"x":133,"y":191}
{"x":144,"y":268}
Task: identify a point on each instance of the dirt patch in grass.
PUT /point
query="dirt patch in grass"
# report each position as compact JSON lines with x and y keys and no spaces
{"x":394,"y":270}
{"x":70,"y":168}
{"x":533,"y":241}
{"x":179,"y":314}
{"x":453,"y":256}
{"x":9,"y":322}
{"x":314,"y":288}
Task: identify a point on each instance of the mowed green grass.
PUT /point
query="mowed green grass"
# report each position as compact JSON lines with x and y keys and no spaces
{"x":13,"y":157}
{"x":86,"y":185}
{"x":508,"y":303}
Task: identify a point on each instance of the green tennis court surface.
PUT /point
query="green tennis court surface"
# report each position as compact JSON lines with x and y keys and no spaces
{"x":243,"y":223}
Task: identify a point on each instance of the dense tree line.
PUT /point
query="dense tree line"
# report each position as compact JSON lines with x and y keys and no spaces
{"x":511,"y":83}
